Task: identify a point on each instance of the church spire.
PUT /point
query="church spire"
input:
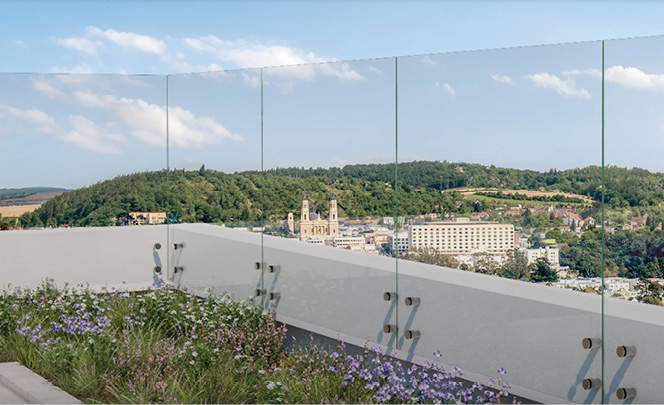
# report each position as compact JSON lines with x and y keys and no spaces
{"x":304,"y":214}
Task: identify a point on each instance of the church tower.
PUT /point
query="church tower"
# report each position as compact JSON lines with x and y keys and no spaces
{"x":304,"y":216}
{"x":333,"y":218}
{"x":306,"y":226}
{"x":290,"y":224}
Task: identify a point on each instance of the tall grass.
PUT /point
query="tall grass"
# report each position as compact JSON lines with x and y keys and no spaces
{"x":167,"y":346}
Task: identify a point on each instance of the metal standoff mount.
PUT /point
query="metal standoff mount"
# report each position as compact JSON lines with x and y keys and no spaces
{"x":625,"y":393}
{"x":157,"y":269}
{"x":390,"y":328}
{"x":259,"y":292}
{"x":591,"y":343}
{"x":157,"y":246}
{"x":179,"y":269}
{"x":273,"y":268}
{"x":180,"y":245}
{"x":626,"y":351}
{"x":412,"y":301}
{"x":273,"y":296}
{"x":413,"y":334}
{"x":591,"y":383}
{"x":390,"y":296}
{"x":258,"y":266}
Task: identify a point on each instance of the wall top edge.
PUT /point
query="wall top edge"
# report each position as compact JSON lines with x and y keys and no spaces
{"x":449,"y":52}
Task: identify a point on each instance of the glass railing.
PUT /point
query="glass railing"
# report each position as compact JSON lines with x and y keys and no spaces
{"x":329,"y":160}
{"x":529,"y":176}
{"x":493,"y":183}
{"x":82,"y":151}
{"x":634,"y":242}
{"x":214,"y":133}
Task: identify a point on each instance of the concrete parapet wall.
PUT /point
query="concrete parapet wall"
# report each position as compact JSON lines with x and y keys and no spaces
{"x":478,"y":322}
{"x":94,"y":256}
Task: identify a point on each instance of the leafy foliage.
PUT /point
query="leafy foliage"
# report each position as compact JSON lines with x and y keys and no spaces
{"x":541,"y":271}
{"x":649,"y":292}
{"x":167,"y":346}
{"x":430,"y":255}
{"x":362,"y":190}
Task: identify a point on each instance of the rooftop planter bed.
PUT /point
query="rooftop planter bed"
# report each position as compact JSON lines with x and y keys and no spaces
{"x":168,"y":346}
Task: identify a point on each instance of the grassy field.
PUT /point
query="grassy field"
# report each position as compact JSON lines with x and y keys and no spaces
{"x":17,"y":210}
{"x":529,"y":193}
{"x":524,"y":203}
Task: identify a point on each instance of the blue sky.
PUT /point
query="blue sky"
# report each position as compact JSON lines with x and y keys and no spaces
{"x":532,"y":107}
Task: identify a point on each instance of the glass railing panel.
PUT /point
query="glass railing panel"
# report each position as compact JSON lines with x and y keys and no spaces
{"x":499,"y":172}
{"x":83,"y":162}
{"x":633,"y":216}
{"x":215,"y":181}
{"x":329,"y":159}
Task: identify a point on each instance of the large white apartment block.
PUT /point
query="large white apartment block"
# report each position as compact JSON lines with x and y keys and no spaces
{"x":402,"y":242}
{"x":552,"y":254}
{"x":463,"y":237}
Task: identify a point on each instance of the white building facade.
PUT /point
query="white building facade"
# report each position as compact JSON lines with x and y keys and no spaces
{"x":402,"y":243}
{"x":463,"y":237}
{"x":552,"y":254}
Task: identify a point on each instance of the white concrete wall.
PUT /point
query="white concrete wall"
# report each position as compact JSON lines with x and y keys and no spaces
{"x":94,"y":256}
{"x":478,"y":322}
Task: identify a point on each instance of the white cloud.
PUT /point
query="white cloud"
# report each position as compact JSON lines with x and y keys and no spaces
{"x":446,"y":87}
{"x":20,"y":43}
{"x":44,"y":122}
{"x":428,"y":61}
{"x":632,"y":77}
{"x":503,"y":79}
{"x":629,"y":77}
{"x":252,"y":78}
{"x":130,"y":40}
{"x":87,"y":135}
{"x":81,"y":44}
{"x":245,"y":54}
{"x":584,"y":72}
{"x":47,"y":89}
{"x":82,"y":69}
{"x":147,"y":122}
{"x":184,"y":66}
{"x":566,"y":88}
{"x":79,"y":131}
{"x":375,"y":70}
{"x":184,"y":55}
{"x":143,"y":120}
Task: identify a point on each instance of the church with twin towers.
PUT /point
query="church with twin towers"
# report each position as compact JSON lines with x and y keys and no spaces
{"x":312,"y":226}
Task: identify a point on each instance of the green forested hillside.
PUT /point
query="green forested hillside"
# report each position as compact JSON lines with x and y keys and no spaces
{"x":624,"y":187}
{"x":361,"y":190}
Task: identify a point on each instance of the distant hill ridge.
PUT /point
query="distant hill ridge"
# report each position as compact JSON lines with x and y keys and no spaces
{"x":30,"y":190}
{"x":361,"y":190}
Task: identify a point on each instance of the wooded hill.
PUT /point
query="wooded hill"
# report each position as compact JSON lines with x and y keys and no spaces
{"x":361,"y":190}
